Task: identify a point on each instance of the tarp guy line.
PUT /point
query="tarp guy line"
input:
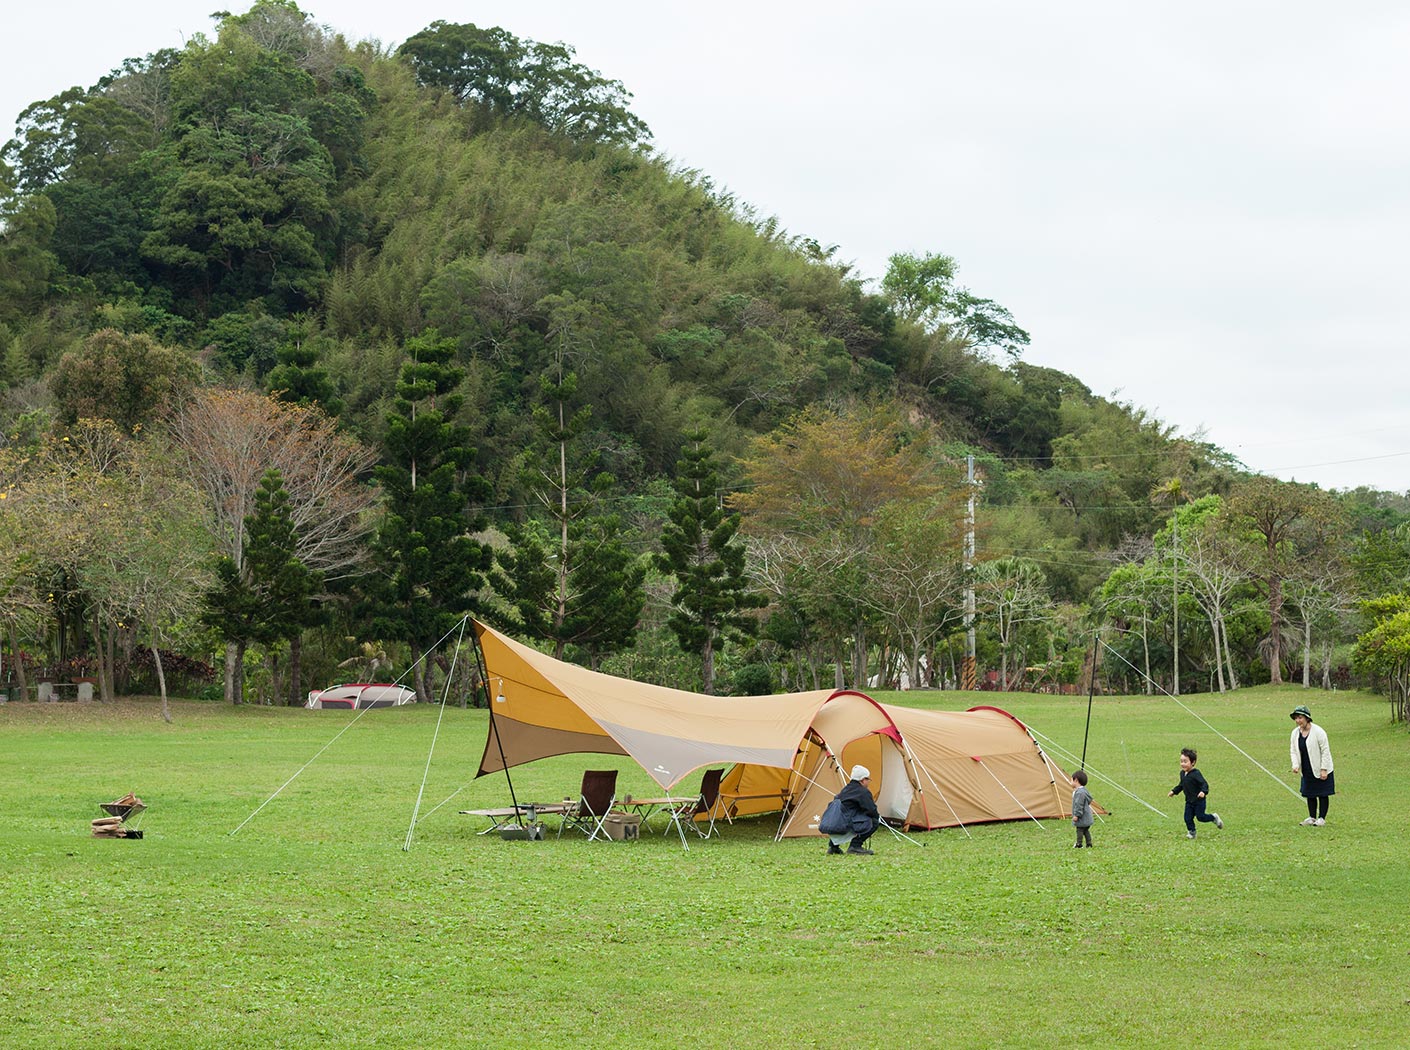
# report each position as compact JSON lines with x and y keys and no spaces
{"x":1280,"y":782}
{"x":445,"y":695}
{"x":325,"y":747}
{"x":1129,"y":794}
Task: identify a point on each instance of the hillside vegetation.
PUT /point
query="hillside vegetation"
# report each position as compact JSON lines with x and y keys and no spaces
{"x":309,"y":348}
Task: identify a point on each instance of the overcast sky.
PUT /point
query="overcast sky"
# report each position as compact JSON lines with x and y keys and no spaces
{"x":1200,"y":208}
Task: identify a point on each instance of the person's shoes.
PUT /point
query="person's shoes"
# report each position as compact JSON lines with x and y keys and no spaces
{"x":1320,"y":821}
{"x":1217,"y":822}
{"x":1077,"y":845}
{"x":860,"y":851}
{"x":1189,"y":834}
{"x":834,"y":850}
{"x":1309,"y":822}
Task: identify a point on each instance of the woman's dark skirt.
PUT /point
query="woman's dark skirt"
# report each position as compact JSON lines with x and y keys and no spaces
{"x":1312,"y":787}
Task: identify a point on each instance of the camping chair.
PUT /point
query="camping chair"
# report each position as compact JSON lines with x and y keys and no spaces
{"x":702,"y":804}
{"x":596,"y":798}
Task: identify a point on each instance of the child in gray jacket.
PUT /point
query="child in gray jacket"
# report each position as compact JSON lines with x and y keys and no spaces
{"x":1081,"y":810}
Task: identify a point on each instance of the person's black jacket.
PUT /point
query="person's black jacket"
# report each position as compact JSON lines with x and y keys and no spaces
{"x":857,"y":802}
{"x":1191,"y":783}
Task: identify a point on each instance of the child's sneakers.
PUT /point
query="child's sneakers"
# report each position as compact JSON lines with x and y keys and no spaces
{"x":1309,"y":822}
{"x":1189,"y":834}
{"x":1217,"y":822}
{"x":1320,"y":822}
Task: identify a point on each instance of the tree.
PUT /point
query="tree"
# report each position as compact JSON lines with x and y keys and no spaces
{"x":299,"y":379}
{"x":582,"y":587}
{"x":821,"y":480}
{"x":1014,"y":592}
{"x":432,"y":566}
{"x":150,"y":572}
{"x":229,"y":439}
{"x":1384,"y":648}
{"x":1213,"y":563}
{"x":125,"y":378}
{"x":286,"y":588}
{"x":917,"y":572}
{"x":923,"y":290}
{"x":1281,"y":514}
{"x":512,"y":77}
{"x":701,"y":550}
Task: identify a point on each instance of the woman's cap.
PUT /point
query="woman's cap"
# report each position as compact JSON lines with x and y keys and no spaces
{"x":1300,"y":710}
{"x":860,"y":772}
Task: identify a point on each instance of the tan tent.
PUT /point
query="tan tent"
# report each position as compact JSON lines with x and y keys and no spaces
{"x":788,"y":752}
{"x":942,"y":769}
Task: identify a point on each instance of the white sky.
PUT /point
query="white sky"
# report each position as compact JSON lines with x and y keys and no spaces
{"x":1197,"y":208}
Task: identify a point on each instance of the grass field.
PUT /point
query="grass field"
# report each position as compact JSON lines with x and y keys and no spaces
{"x":312,"y":926}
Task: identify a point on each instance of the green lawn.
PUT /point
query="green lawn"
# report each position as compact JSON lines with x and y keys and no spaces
{"x":312,"y":927}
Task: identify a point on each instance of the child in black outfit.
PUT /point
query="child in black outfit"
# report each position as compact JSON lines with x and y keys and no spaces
{"x":1195,"y":789}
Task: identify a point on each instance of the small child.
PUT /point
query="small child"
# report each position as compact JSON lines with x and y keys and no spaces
{"x":1081,"y":810}
{"x":1195,"y":789}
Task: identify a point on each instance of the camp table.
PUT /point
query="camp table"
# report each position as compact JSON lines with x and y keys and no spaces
{"x":508,"y":816}
{"x":647,"y":806}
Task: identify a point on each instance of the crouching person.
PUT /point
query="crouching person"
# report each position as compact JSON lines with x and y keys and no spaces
{"x":859,"y":810}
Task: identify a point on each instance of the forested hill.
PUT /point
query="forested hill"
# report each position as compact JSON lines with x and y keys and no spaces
{"x":476,"y":226}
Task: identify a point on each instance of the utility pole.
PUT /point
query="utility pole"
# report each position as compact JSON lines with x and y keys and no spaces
{"x":1175,"y":594}
{"x":968,"y":677}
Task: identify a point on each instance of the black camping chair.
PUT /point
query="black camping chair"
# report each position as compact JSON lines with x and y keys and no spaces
{"x":596,"y":798}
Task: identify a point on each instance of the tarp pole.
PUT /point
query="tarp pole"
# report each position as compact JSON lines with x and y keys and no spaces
{"x":1091,"y":687}
{"x":490,"y":701}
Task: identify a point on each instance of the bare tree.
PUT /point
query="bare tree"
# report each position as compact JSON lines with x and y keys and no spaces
{"x":1214,"y":567}
{"x":231,"y":438}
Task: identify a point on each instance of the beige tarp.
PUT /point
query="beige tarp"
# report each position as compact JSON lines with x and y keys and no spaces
{"x":544,"y":707}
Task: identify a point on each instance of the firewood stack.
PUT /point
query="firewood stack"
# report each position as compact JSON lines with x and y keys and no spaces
{"x":114,"y":825}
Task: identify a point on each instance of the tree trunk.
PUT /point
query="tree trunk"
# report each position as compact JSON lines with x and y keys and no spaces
{"x":707,"y":664}
{"x":296,"y":650}
{"x":234,"y":655}
{"x":109,"y":683}
{"x":161,"y":682}
{"x":1218,"y":662}
{"x":1146,"y":645}
{"x":1275,"y":620}
{"x":1307,"y":654}
{"x":1228,"y":657}
{"x":19,"y":664}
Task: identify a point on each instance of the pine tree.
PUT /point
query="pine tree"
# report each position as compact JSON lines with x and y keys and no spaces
{"x":267,"y":598}
{"x":712,"y":599}
{"x":299,"y":379}
{"x":432,"y":564}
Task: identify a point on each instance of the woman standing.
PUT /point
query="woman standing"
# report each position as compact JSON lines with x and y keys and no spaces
{"x":1312,"y":757}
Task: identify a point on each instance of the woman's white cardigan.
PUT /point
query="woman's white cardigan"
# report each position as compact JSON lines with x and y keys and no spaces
{"x":1319,"y":752}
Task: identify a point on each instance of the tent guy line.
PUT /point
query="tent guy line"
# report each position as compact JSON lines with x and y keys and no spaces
{"x":1276,"y":779}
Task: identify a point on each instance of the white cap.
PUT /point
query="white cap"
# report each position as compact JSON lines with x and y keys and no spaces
{"x":860,"y":772}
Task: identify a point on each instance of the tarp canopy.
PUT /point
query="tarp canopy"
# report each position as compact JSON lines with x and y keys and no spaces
{"x":543,"y":707}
